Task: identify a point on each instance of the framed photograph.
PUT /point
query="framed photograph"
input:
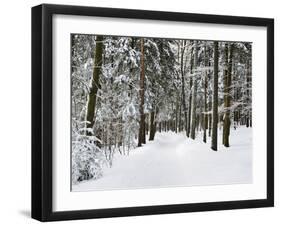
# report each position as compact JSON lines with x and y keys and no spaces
{"x":146,"y":112}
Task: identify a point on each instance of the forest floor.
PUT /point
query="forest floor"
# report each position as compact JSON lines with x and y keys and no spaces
{"x":174,"y":160}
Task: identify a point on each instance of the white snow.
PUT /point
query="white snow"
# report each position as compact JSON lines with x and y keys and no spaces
{"x":174,"y":160}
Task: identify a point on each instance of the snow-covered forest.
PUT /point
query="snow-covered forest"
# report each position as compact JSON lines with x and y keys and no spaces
{"x":166,"y":108}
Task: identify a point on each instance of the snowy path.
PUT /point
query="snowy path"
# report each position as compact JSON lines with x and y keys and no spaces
{"x":174,"y":160}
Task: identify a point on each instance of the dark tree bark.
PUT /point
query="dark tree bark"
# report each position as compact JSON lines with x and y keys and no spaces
{"x":92,"y":99}
{"x":236,"y":98}
{"x":190,"y":94}
{"x":152,"y":130}
{"x":183,"y":85}
{"x":225,"y":89}
{"x":205,"y":115}
{"x":228,"y":99}
{"x":141,"y":139}
{"x":210,"y":117}
{"x":194,"y":94}
{"x":215,"y":99}
{"x":177,"y":117}
{"x":144,"y":130}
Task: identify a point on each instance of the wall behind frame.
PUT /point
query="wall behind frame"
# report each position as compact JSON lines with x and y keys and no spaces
{"x":15,"y":95}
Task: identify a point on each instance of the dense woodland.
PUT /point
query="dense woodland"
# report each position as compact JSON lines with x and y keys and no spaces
{"x":125,"y":90}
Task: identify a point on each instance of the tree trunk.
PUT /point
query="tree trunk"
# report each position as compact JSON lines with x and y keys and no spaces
{"x":225,"y":90}
{"x":152,"y":126}
{"x":180,"y":118}
{"x":177,"y":113}
{"x":141,"y":139}
{"x":92,"y":99}
{"x":183,"y":85}
{"x":228,"y":99}
{"x":144,"y":130}
{"x":190,"y":94}
{"x":215,"y":99}
{"x":248,"y":78}
{"x":189,"y":109}
{"x":210,"y":117}
{"x":194,"y":94}
{"x":205,"y":115}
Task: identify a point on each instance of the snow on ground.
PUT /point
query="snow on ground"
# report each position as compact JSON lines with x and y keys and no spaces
{"x":174,"y":160}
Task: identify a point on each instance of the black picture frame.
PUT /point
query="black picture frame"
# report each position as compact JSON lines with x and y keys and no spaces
{"x":42,"y":111}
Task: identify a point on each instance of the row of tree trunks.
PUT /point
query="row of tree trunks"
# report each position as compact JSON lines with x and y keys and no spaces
{"x":171,"y":125}
{"x":165,"y":126}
